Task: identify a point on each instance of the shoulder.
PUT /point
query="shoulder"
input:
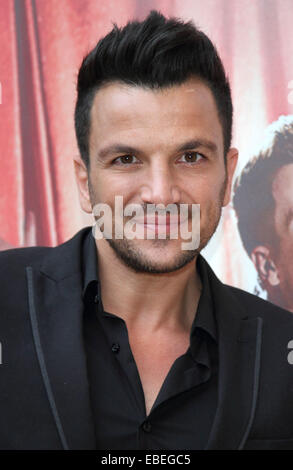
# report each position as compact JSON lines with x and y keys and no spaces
{"x":258,"y":307}
{"x":13,"y":262}
{"x":16,"y":258}
{"x":240,"y":301}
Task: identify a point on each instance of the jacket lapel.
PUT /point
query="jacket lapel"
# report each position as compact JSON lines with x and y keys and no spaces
{"x":239,"y":339}
{"x":56,"y":310}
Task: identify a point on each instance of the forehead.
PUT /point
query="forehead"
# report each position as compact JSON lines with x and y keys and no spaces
{"x":132,"y":111}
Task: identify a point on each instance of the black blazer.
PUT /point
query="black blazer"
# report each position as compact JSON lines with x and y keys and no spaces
{"x":44,"y":390}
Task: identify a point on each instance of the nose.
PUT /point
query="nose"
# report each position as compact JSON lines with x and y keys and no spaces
{"x":160,"y":186}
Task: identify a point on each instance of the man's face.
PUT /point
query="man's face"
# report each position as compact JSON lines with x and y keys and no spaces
{"x":136,"y":142}
{"x":283,"y":195}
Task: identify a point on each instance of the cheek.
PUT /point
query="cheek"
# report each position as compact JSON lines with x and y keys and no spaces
{"x":290,"y":231}
{"x":208,"y":193}
{"x":203,"y":189}
{"x":287,"y":249}
{"x":105,"y":187}
{"x":284,"y":257}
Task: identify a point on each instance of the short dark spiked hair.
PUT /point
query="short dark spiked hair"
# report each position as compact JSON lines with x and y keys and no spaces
{"x":253,"y":199}
{"x":154,"y":53}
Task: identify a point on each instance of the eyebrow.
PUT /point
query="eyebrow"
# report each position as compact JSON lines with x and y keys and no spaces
{"x":195,"y":143}
{"x":190,"y":144}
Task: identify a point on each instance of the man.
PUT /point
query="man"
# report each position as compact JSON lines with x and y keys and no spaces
{"x":133,"y":343}
{"x":263,"y":202}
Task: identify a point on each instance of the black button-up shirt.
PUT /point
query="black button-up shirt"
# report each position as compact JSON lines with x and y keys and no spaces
{"x":183,"y":412}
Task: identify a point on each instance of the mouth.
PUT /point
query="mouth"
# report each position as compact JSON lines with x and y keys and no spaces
{"x":160,"y":224}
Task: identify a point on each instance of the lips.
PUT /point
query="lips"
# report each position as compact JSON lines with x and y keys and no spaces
{"x":154,"y":220}
{"x":160,"y":225}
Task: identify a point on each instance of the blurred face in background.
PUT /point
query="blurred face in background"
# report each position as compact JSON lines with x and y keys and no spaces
{"x":283,"y":253}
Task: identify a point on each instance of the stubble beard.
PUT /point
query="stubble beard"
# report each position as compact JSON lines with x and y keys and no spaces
{"x":134,"y":257}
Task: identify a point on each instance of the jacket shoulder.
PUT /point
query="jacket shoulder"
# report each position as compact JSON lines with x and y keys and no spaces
{"x":256,"y":306}
{"x":14,"y":261}
{"x":34,"y":255}
{"x":21,"y":257}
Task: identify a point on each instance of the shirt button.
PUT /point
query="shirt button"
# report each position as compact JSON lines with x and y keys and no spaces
{"x":147,"y":427}
{"x":115,"y":348}
{"x":96,"y":299}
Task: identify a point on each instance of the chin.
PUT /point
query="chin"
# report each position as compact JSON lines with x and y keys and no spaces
{"x":152,"y":256}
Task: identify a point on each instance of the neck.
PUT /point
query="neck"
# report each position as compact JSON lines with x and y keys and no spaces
{"x":146,"y":301}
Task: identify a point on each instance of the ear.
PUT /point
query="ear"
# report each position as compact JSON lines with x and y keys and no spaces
{"x":265,"y":266}
{"x":81,"y":175}
{"x":231,"y":162}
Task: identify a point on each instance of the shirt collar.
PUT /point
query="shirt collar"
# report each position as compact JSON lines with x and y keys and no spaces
{"x":205,"y":315}
{"x":90,"y":265}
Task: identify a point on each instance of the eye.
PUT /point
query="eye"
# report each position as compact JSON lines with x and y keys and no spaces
{"x":124,"y":160}
{"x":192,"y":157}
